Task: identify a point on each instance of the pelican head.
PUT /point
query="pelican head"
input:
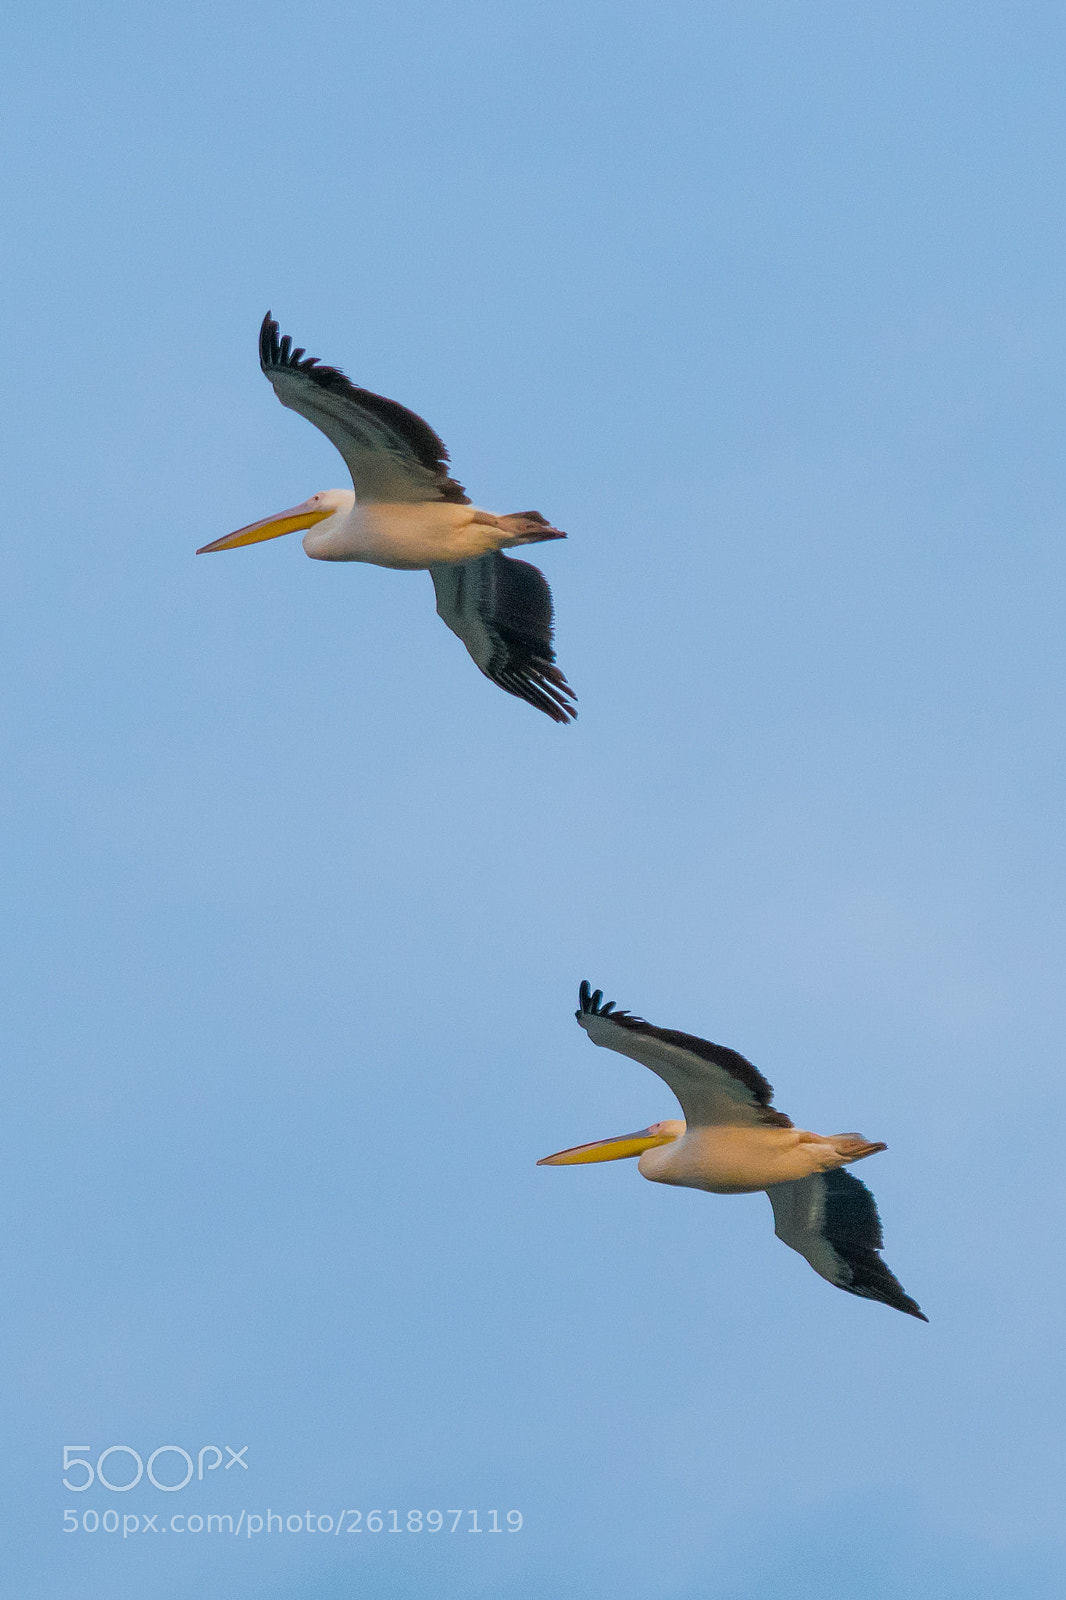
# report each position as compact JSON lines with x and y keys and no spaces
{"x":627,"y":1144}
{"x":320,"y":508}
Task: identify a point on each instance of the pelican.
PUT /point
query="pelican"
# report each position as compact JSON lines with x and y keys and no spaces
{"x":733,"y":1142}
{"x":405,"y":511}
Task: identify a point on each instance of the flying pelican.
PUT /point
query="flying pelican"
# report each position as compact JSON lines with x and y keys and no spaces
{"x":733,"y":1142}
{"x":407,"y":512}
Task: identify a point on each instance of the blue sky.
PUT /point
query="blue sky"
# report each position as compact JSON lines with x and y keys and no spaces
{"x":763,"y":303}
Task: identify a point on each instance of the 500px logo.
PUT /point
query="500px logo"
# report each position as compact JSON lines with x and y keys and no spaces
{"x":137,"y":1467}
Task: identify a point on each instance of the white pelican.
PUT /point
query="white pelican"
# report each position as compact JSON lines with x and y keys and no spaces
{"x":733,"y":1142}
{"x":407,"y":512}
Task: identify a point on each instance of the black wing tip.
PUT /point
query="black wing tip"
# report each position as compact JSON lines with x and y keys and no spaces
{"x":892,"y":1293}
{"x":592,"y":1004}
{"x":276,"y":352}
{"x":524,"y":626}
{"x":588,"y":1000}
{"x":852,"y":1228}
{"x":883,"y":1285}
{"x":268,"y":341}
{"x":541,"y":685}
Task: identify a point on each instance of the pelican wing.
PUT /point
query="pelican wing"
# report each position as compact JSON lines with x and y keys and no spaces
{"x":502,"y":611}
{"x":392,"y":455}
{"x":831,"y":1219}
{"x":714,"y":1085}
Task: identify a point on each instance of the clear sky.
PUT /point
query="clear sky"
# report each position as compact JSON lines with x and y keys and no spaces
{"x":763,"y":302}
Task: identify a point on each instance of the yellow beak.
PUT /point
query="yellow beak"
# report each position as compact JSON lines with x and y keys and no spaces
{"x":628,"y":1144}
{"x":304,"y":516}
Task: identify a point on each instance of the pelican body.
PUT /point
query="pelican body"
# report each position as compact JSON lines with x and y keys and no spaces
{"x":733,"y":1141}
{"x":408,"y":538}
{"x":405,"y":511}
{"x":746,"y":1160}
